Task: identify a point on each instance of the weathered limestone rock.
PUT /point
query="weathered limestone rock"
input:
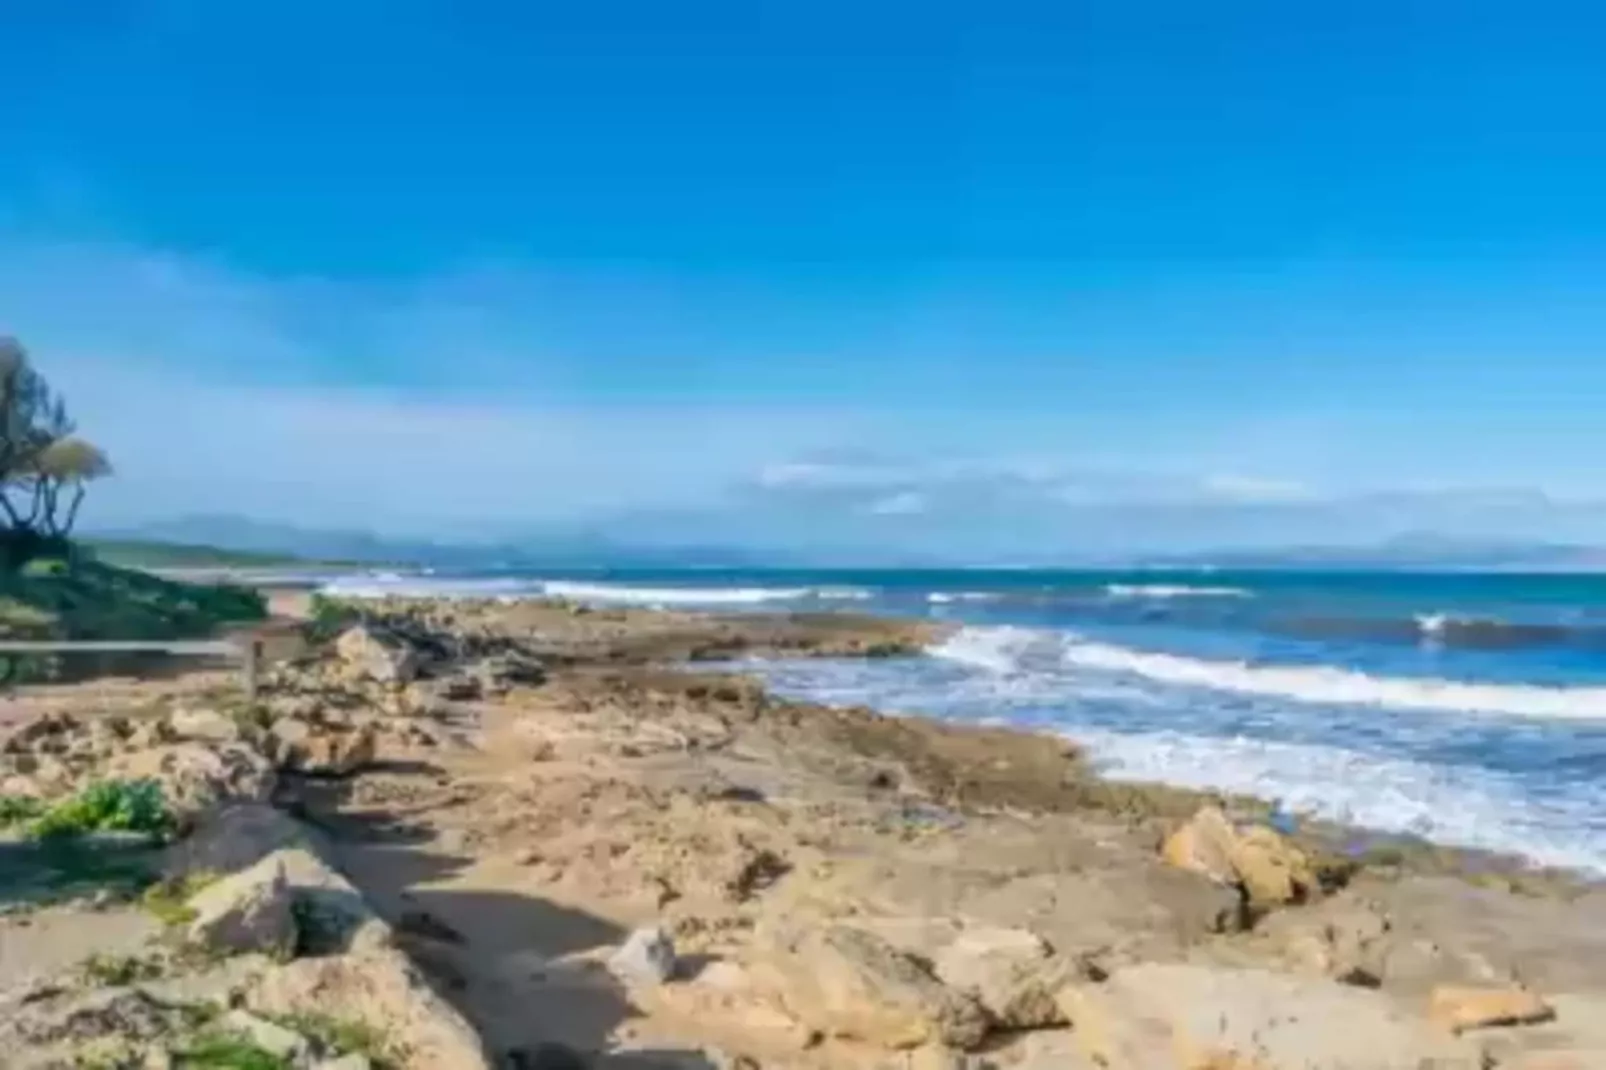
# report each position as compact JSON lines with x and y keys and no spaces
{"x":1157,"y":1017}
{"x":203,"y":724}
{"x":1459,"y":1008}
{"x":1270,"y":869}
{"x":848,"y":982}
{"x":248,"y":911}
{"x":195,"y":777}
{"x":1011,"y":972}
{"x":236,"y":837}
{"x":323,"y":750}
{"x":369,"y":654}
{"x":271,"y":1037}
{"x":380,"y":987}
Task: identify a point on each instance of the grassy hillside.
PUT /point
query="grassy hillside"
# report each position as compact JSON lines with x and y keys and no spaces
{"x":82,"y":598}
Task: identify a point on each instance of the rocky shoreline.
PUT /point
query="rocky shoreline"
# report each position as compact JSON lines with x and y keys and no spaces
{"x":533,"y":834}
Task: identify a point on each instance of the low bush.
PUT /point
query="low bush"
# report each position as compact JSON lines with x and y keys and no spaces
{"x":107,"y":806}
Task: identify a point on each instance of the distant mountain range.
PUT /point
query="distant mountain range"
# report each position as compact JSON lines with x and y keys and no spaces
{"x":1420,"y":550}
{"x":566,"y":550}
{"x":591,"y":549}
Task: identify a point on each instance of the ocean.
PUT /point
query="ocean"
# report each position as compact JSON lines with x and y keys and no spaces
{"x":1469,"y":709}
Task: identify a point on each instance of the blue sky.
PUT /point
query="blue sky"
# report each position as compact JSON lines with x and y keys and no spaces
{"x":1101,"y":273}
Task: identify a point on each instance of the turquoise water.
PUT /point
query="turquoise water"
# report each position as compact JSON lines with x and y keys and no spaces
{"x":1470,"y":708}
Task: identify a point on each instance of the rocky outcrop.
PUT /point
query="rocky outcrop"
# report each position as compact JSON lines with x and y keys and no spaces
{"x":1160,"y":1017}
{"x":848,"y":982}
{"x":1270,"y":869}
{"x":1459,"y":1008}
{"x":1012,"y":973}
{"x":252,"y":910}
{"x":197,"y":777}
{"x":316,"y":749}
{"x":369,"y":653}
{"x":381,"y":986}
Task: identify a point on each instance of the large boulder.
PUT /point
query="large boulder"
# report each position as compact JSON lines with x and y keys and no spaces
{"x":1012,"y":973}
{"x":1271,"y":870}
{"x":1157,"y":1017}
{"x":379,"y":987}
{"x":252,"y":910}
{"x":368,"y":653}
{"x":237,"y":837}
{"x":848,"y":982}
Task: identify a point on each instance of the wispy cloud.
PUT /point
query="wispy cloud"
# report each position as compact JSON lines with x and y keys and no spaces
{"x":488,"y":400}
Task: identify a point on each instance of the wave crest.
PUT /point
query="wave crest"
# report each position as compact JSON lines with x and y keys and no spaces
{"x":672,"y":596}
{"x":1024,"y":650}
{"x":1173,"y":590}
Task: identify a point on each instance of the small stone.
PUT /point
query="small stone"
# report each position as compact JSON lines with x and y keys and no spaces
{"x":1459,"y":1008}
{"x":272,"y":1038}
{"x":647,"y":957}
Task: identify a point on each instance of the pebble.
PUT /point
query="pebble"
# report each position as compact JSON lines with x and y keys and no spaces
{"x":647,"y":956}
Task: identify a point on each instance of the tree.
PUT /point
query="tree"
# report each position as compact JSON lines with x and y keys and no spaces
{"x":69,"y":462}
{"x":45,"y":468}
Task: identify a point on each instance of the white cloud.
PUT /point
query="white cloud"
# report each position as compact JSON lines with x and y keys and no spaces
{"x":905,"y":503}
{"x":1251,"y":490}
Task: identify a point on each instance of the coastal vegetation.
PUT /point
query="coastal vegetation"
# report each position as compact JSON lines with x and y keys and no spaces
{"x":55,"y":587}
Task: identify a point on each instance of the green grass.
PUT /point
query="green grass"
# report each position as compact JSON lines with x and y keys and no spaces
{"x":168,"y":900}
{"x":226,"y":1051}
{"x":74,"y":596}
{"x":119,"y":970}
{"x":16,"y":809}
{"x":328,"y":617}
{"x":340,"y":1036}
{"x":106,"y":806}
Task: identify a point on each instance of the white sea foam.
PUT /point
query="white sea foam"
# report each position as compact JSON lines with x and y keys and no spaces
{"x":417,"y":585}
{"x":1455,"y":805}
{"x":1173,"y":590}
{"x":944,"y":597}
{"x":672,"y":596}
{"x":1016,"y":650}
{"x":842,"y":594}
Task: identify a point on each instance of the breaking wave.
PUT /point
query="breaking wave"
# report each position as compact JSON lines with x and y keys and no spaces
{"x":672,"y":596}
{"x":1019,"y":650}
{"x":1172,"y":590}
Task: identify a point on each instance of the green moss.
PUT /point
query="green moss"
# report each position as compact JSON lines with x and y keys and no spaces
{"x":340,"y":1036}
{"x":168,"y":900}
{"x":220,"y":1050}
{"x":119,"y":970}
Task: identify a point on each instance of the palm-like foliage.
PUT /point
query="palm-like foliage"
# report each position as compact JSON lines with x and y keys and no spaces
{"x":45,"y":468}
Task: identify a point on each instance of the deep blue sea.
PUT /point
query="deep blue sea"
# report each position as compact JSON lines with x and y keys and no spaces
{"x":1467,"y":708}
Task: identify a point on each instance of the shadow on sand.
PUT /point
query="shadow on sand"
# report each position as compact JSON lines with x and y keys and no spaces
{"x":523,"y":969}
